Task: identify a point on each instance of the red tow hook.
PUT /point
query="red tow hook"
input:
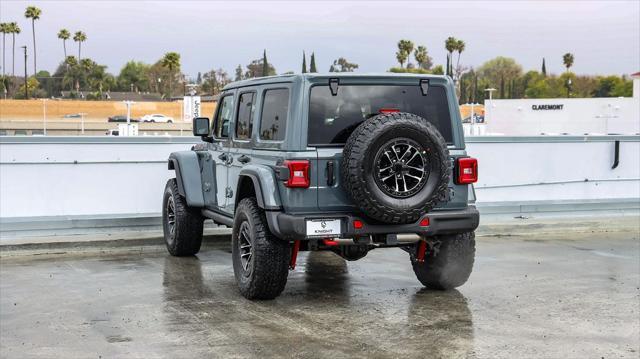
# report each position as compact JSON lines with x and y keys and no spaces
{"x":422,"y":250}
{"x":294,"y":255}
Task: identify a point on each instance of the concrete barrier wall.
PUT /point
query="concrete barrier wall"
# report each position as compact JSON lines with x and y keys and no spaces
{"x":115,"y":177}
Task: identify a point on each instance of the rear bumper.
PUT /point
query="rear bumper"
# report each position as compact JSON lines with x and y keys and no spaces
{"x":294,"y":227}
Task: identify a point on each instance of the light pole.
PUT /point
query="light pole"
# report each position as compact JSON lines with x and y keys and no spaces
{"x":44,"y":115}
{"x":490,"y":91}
{"x":26,"y":91}
{"x":82,"y":122}
{"x":568,"y":88}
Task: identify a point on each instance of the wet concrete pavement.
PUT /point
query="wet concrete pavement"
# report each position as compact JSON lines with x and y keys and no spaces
{"x":573,"y":296}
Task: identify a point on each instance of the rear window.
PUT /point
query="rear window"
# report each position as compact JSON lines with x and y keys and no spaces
{"x":333,"y":118}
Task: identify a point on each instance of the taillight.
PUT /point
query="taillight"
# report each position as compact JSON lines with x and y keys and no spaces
{"x":467,"y":170}
{"x":388,"y":110}
{"x":298,"y":173}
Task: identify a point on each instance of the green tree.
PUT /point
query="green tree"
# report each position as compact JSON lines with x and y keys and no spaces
{"x":612,"y":86}
{"x":342,"y":65}
{"x":238,"y":73}
{"x":214,"y":80}
{"x":450,"y":44}
{"x":438,"y":70}
{"x":4,"y":29}
{"x":544,"y":68}
{"x":500,"y":71}
{"x":33,"y":13}
{"x":422,"y":58}
{"x":171,"y":61}
{"x":567,"y":60}
{"x":80,"y":37}
{"x":134,"y":74}
{"x":64,"y":35}
{"x":32,"y":88}
{"x":265,"y":64}
{"x":257,"y":69}
{"x":304,"y":63}
{"x":312,"y":65}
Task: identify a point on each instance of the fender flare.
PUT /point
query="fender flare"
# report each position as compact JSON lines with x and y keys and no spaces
{"x":187,"y":168}
{"x":264,"y":185}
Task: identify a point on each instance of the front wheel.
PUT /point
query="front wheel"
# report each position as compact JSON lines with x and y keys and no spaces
{"x":260,"y":260}
{"x":448,"y":261}
{"x":181,"y":224}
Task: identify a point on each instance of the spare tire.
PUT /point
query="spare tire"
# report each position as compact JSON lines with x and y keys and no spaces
{"x":396,"y":167}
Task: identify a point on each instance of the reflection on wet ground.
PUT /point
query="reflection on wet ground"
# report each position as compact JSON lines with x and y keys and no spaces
{"x":525,"y":299}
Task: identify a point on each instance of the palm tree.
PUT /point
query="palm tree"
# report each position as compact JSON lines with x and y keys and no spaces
{"x":64,"y":35}
{"x":171,"y":61}
{"x":13,"y":30}
{"x":79,"y":37}
{"x":460,"y":45}
{"x":33,"y":13}
{"x":567,"y":59}
{"x":421,"y":56}
{"x":450,"y":44}
{"x":405,"y":48}
{"x":4,"y":29}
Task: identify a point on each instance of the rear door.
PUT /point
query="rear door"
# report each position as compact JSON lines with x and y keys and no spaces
{"x":332,"y":119}
{"x":240,"y":153}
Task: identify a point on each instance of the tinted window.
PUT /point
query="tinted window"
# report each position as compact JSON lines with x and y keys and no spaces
{"x":221,"y":124}
{"x":333,"y":118}
{"x":275,"y":108}
{"x":244,"y":122}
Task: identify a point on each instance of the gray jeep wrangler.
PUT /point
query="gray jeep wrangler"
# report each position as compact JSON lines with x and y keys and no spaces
{"x":340,"y":162}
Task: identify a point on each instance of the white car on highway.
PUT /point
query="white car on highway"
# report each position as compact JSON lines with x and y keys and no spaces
{"x":156,"y":117}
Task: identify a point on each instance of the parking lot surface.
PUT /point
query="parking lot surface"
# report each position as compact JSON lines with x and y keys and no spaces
{"x":557,"y":296}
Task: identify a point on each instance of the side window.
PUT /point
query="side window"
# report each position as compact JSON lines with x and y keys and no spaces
{"x":221,"y":124}
{"x":244,"y":122}
{"x":275,"y":108}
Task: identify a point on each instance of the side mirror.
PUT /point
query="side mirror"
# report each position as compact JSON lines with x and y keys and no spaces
{"x":201,"y":126}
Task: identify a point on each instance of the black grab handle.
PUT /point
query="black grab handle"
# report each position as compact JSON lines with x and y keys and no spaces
{"x":330,"y":175}
{"x":616,"y":155}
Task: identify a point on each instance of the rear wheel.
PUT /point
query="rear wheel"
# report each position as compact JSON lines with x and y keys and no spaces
{"x":260,"y":260}
{"x":448,"y":261}
{"x":181,"y":224}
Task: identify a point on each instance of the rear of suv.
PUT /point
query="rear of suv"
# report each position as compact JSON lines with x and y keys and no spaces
{"x":339,"y":162}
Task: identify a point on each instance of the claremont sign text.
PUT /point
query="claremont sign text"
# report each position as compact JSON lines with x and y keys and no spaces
{"x":546,"y":107}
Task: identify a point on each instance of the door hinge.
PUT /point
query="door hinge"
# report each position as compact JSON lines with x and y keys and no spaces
{"x":228,"y":192}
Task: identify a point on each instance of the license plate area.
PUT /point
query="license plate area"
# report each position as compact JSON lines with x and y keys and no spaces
{"x":324,"y":227}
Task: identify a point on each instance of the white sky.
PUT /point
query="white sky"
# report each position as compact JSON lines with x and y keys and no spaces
{"x":604,"y":36}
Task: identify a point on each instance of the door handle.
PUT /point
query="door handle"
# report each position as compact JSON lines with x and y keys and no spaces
{"x":244,"y":159}
{"x":226,"y":158}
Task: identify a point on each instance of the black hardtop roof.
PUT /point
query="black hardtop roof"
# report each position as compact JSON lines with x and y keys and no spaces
{"x":311,"y":76}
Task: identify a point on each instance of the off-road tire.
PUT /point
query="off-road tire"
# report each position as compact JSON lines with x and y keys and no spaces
{"x":358,"y":165}
{"x":448,"y":261}
{"x":186,"y":238}
{"x":266,"y":273}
